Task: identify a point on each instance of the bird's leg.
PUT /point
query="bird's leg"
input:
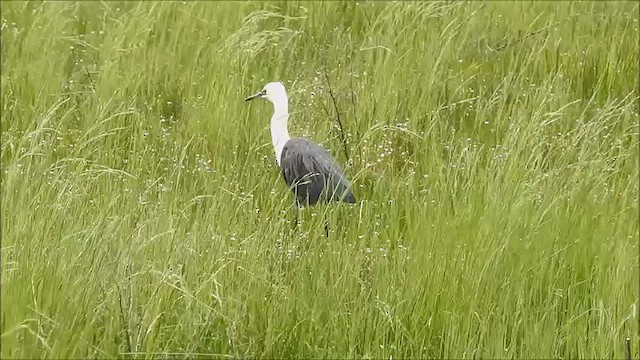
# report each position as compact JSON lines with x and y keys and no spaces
{"x":295,"y":227}
{"x":296,"y":222}
{"x":326,"y":228}
{"x":326,"y":224}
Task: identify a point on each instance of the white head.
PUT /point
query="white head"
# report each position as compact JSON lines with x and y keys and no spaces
{"x":276,"y":94}
{"x":273,"y":92}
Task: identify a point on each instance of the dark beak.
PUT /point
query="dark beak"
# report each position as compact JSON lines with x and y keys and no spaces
{"x":256,"y":95}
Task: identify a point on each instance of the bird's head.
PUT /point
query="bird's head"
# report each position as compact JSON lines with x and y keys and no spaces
{"x":272,"y":92}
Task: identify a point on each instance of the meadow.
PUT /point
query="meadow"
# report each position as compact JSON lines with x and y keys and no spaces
{"x":493,"y":147}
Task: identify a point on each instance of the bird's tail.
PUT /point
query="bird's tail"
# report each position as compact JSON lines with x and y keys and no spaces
{"x":349,"y":198}
{"x":344,"y":194}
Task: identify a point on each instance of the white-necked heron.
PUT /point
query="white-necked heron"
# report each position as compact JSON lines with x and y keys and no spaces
{"x":308,"y":169}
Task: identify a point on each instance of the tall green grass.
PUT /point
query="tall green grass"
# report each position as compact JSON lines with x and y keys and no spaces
{"x":493,"y":147}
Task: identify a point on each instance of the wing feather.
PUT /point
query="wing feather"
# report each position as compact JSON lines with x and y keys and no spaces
{"x":311,"y":173}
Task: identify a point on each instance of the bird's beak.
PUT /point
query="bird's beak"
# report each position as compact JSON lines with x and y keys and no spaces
{"x":259,"y":94}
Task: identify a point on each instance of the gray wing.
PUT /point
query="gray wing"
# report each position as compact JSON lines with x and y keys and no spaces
{"x":311,"y":173}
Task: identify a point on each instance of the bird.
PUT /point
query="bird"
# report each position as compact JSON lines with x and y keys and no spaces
{"x":306,"y":167}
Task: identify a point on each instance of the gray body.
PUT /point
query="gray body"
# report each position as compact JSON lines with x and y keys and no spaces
{"x":312,"y":174}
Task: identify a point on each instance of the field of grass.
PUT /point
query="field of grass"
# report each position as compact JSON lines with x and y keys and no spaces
{"x":493,"y":148}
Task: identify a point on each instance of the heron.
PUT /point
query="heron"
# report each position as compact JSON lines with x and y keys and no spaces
{"x":307,"y":168}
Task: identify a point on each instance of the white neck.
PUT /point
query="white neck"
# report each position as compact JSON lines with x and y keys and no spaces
{"x":279,"y":132}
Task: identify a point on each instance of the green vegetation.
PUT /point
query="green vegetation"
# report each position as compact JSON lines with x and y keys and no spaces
{"x":493,"y":147}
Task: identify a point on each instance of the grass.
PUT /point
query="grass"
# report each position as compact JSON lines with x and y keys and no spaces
{"x":493,"y":147}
